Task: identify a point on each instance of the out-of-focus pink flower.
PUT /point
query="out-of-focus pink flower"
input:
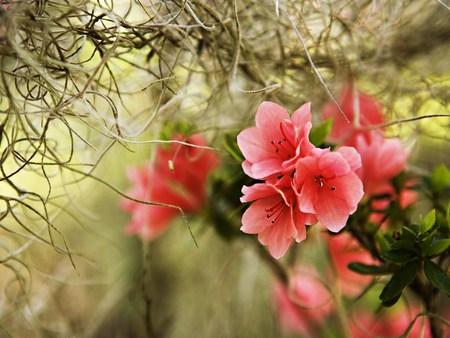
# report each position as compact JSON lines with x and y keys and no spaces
{"x":303,"y":305}
{"x":343,"y":250}
{"x":278,"y":140}
{"x":182,"y":184}
{"x":382,"y":159}
{"x":406,"y":198}
{"x":327,"y":186}
{"x":361,"y":110}
{"x":274,"y":215}
{"x":392,"y":322}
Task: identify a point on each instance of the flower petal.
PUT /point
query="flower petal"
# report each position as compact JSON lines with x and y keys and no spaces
{"x":270,"y":115}
{"x":351,"y":156}
{"x":254,"y":219}
{"x":253,"y":146}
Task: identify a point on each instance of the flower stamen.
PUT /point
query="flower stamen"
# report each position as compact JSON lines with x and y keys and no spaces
{"x":274,"y":212}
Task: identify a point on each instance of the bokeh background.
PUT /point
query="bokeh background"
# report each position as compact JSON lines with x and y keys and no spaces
{"x":88,"y":88}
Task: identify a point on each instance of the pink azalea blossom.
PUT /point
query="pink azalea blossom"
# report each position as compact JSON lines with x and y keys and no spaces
{"x":392,"y":322}
{"x":382,"y":159}
{"x":327,"y":185}
{"x":273,"y":146}
{"x":184,"y":186}
{"x":360,"y":109}
{"x":302,"y":305}
{"x":274,"y":215}
{"x":343,"y":250}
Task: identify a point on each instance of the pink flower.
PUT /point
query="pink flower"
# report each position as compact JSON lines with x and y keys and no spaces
{"x":343,"y":250}
{"x":361,"y":110}
{"x":327,"y":185}
{"x":303,"y":304}
{"x":277,"y":142}
{"x":382,"y":159}
{"x":184,"y":186}
{"x":392,"y":322}
{"x":274,"y":215}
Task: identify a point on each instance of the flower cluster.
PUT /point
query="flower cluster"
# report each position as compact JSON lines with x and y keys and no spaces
{"x":178,"y":177}
{"x":302,"y":184}
{"x":382,"y":158}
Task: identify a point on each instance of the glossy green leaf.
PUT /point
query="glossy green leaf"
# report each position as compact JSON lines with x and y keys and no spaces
{"x":390,"y":302}
{"x":438,"y":277}
{"x":438,"y":247}
{"x":400,"y":280}
{"x":319,"y":134}
{"x":428,"y":222}
{"x":399,"y":256}
{"x":364,"y":269}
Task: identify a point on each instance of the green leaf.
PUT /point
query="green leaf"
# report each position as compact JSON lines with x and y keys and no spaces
{"x":404,"y":244}
{"x":364,"y":269}
{"x":438,"y":247}
{"x":440,"y":178}
{"x":400,"y":280}
{"x":390,"y":302}
{"x":399,"y":256}
{"x":448,"y":216}
{"x":384,"y":241}
{"x":438,"y":277}
{"x":318,"y":135}
{"x":428,"y":222}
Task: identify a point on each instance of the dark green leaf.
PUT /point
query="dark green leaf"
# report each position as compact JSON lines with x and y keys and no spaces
{"x":400,"y":280}
{"x":438,"y":277}
{"x":384,"y":241}
{"x":428,"y":222}
{"x":364,"y":269}
{"x":411,"y":230}
{"x":318,"y":135}
{"x":399,"y":256}
{"x":438,"y":247}
{"x":390,"y":302}
{"x":403,"y":244}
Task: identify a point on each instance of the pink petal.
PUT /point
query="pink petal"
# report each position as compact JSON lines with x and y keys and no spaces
{"x":253,"y":146}
{"x":351,"y":156}
{"x":333,"y":213}
{"x":305,"y":169}
{"x":257,"y":191}
{"x":269,"y":115}
{"x":333,"y":164}
{"x":348,"y":188}
{"x":266,"y":168}
{"x":279,"y":237}
{"x":247,"y":167}
{"x":302,"y":115}
{"x":308,"y":197}
{"x":254,"y":219}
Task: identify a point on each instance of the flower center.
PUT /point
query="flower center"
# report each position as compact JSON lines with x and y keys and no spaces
{"x":283,"y":147}
{"x":320,"y":180}
{"x":274,"y":212}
